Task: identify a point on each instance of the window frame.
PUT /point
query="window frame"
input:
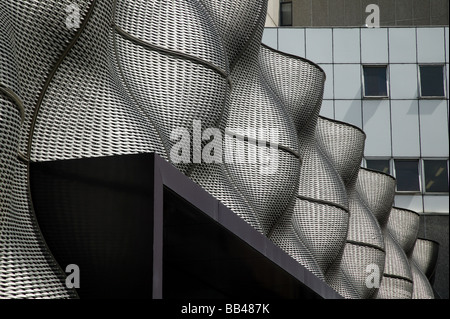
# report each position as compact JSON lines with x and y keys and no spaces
{"x":388,"y":85}
{"x":281,"y":14}
{"x":425,"y":192}
{"x":388,"y":159}
{"x":419,"y":75}
{"x":419,"y":175}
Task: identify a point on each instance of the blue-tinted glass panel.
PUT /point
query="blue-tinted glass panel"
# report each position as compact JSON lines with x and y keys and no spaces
{"x":407,"y":175}
{"x":436,"y":176}
{"x":375,"y":83}
{"x":379,"y":165}
{"x":432,"y":80}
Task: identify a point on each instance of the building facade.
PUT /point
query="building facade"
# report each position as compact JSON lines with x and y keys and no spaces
{"x":390,"y":81}
{"x":407,"y":131}
{"x":345,"y":13}
{"x":123,"y":83}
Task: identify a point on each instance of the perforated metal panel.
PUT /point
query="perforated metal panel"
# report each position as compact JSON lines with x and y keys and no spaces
{"x":404,"y":226}
{"x":31,"y":37}
{"x":132,"y":72}
{"x":238,"y":23}
{"x":425,"y":254}
{"x":397,"y":272}
{"x":378,"y":191}
{"x":344,"y":145}
{"x":422,"y":288}
{"x":400,"y":235}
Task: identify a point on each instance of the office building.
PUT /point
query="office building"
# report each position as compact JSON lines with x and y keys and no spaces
{"x":390,"y":81}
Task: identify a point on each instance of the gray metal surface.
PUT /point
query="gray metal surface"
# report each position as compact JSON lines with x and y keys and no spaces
{"x":425,"y":255}
{"x":131,"y":73}
{"x":400,"y":235}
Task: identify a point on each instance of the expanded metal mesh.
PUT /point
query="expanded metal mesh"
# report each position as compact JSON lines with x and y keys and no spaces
{"x":404,"y":226}
{"x":425,"y":255}
{"x":422,"y":288}
{"x":132,"y":72}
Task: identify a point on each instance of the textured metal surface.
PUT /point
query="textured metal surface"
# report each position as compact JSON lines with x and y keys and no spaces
{"x":422,"y":288}
{"x":400,"y":232}
{"x":313,"y":234}
{"x":378,"y":191}
{"x":133,"y":72}
{"x":315,"y":231}
{"x":296,"y":81}
{"x":32,"y":38}
{"x":425,"y":255}
{"x":400,"y":235}
{"x":404,"y":226}
{"x":395,"y":288}
{"x":344,"y":145}
{"x":254,"y":105}
{"x":318,"y":179}
{"x":238,"y":23}
{"x":397,"y":272}
{"x":214,"y":180}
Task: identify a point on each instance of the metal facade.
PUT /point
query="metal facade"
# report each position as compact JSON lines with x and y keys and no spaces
{"x":135,"y":71}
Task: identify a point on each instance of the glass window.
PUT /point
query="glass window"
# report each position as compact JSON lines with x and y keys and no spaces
{"x":407,"y":175}
{"x":375,"y":81}
{"x":286,"y":14}
{"x":432,"y":80}
{"x":379,"y":165}
{"x":436,"y":175}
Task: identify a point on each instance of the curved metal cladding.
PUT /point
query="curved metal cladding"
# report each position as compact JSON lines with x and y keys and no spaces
{"x":400,"y":235}
{"x":397,"y":280}
{"x":256,"y":113}
{"x":86,"y":111}
{"x":84,"y":92}
{"x":423,"y":258}
{"x":296,"y":81}
{"x":133,"y":76}
{"x":425,"y":255}
{"x":319,"y":178}
{"x":344,"y":145}
{"x":31,"y":41}
{"x":238,"y":23}
{"x":299,"y":84}
{"x":378,"y":189}
{"x":173,"y":48}
{"x":213,"y":178}
{"x":10,"y":265}
{"x":422,"y":288}
{"x":404,"y":225}
{"x":314,"y":232}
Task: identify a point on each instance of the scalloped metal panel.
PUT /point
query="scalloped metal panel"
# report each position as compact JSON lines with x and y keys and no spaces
{"x":404,"y":227}
{"x":132,"y":72}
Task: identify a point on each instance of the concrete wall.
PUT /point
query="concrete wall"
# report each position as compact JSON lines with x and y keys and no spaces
{"x":273,"y":13}
{"x":352,"y":12}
